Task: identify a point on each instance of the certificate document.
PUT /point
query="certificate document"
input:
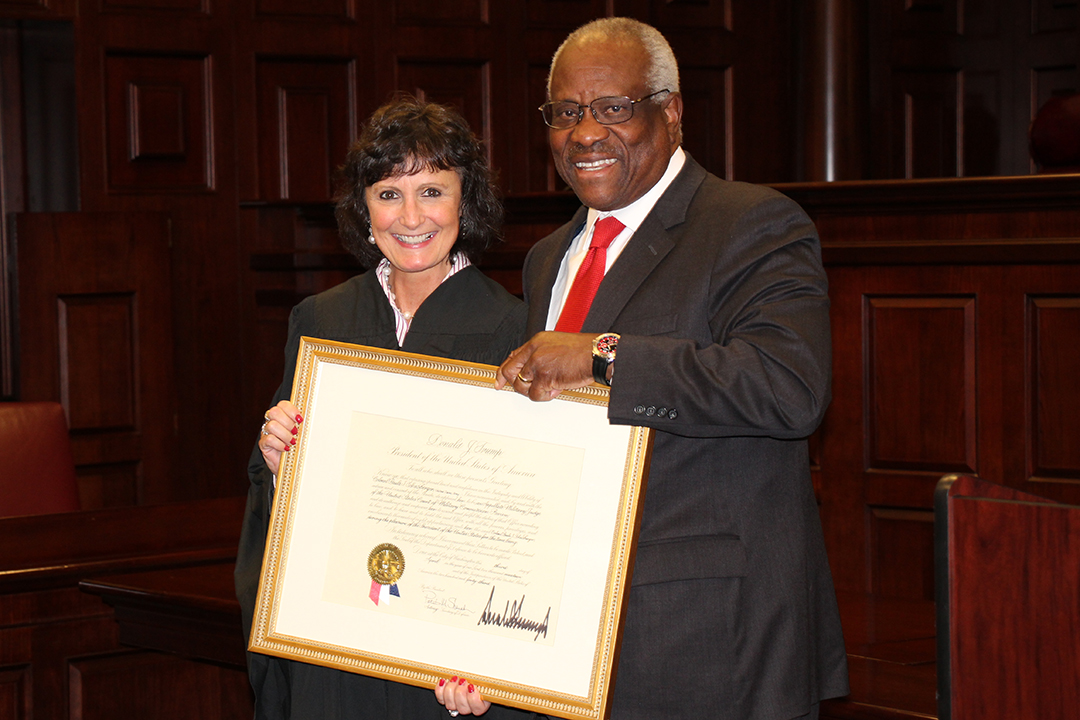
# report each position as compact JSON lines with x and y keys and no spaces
{"x":428,"y":526}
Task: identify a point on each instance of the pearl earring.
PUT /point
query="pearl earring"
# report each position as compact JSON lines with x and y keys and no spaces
{"x":371,"y":236}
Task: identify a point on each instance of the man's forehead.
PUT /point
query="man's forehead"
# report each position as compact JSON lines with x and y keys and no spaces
{"x":618,"y":66}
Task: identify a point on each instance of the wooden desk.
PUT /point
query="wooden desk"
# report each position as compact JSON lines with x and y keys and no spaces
{"x":192,"y":612}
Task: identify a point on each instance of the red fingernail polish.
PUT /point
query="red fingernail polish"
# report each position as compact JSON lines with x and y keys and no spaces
{"x":442,"y":681}
{"x":299,"y":418}
{"x":461,"y":681}
{"x":295,"y":430}
{"x":471,"y":688}
{"x":453,"y":680}
{"x":293,"y":441}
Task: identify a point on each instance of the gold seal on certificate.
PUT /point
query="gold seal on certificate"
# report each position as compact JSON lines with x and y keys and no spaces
{"x":386,"y":564}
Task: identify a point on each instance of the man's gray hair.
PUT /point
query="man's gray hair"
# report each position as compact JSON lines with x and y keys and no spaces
{"x":663,"y":70}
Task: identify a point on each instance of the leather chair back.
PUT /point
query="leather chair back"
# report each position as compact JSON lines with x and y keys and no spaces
{"x":37,"y":471}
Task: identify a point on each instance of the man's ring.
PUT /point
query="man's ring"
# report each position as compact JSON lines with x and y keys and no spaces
{"x":524,"y":380}
{"x":453,"y":713}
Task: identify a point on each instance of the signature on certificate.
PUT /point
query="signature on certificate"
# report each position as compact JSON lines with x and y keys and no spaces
{"x":437,"y":602}
{"x":512,"y":617}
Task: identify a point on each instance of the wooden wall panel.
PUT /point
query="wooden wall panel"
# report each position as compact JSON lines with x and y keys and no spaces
{"x":155,"y":685}
{"x":159,"y":135}
{"x":305,"y":124}
{"x":439,"y":13}
{"x":714,"y":14}
{"x":1008,"y":58}
{"x":900,"y":542}
{"x":1050,"y":16}
{"x":94,"y":289}
{"x":539,"y":166}
{"x":930,"y":16}
{"x":15,"y":692}
{"x":99,"y":364}
{"x":1054,"y":327}
{"x":708,"y":130}
{"x":462,"y":83}
{"x":921,"y":361}
{"x":198,"y":7}
{"x":114,"y":484}
{"x":339,"y":9}
{"x":926,"y":110}
{"x":954,"y":313}
{"x":567,"y":14}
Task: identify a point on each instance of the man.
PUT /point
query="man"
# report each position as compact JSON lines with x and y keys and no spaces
{"x":719,"y":301}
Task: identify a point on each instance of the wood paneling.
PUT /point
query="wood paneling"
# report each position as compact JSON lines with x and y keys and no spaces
{"x":100,"y":687}
{"x":954,"y":85}
{"x":14,"y":692}
{"x":167,"y":6}
{"x":462,"y":83}
{"x":926,"y":106}
{"x":954,"y":305}
{"x":159,"y":123}
{"x":322,"y":9}
{"x":93,"y":292}
{"x":920,"y":354}
{"x":900,"y":542}
{"x":306,"y":121}
{"x":441,"y":14}
{"x":60,"y":655}
{"x":1054,"y":327}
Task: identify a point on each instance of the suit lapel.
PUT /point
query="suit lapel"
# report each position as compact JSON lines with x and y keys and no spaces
{"x":655,"y":238}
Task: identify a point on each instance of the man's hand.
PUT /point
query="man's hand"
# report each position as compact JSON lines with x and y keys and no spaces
{"x":548,"y":364}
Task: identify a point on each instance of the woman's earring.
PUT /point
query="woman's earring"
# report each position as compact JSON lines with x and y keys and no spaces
{"x":370,"y":236}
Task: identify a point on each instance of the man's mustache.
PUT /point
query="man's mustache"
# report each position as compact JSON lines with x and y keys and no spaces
{"x":577,"y":150}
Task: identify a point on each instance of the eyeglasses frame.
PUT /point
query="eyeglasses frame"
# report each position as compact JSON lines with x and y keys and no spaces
{"x":581,"y":109}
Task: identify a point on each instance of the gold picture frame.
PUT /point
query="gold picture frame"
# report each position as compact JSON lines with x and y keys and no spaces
{"x":425,"y":526}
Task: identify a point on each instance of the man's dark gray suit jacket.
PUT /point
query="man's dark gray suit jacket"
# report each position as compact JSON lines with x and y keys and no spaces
{"x":721,"y":301}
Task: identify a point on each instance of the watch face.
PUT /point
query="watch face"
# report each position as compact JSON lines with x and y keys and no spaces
{"x":606,"y":344}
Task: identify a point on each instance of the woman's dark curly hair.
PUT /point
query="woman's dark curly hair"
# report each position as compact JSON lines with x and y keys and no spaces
{"x":407,"y":136}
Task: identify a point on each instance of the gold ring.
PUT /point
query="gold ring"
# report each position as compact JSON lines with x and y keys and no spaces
{"x":524,"y":380}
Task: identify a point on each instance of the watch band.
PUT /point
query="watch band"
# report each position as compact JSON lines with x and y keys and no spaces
{"x":599,"y":369}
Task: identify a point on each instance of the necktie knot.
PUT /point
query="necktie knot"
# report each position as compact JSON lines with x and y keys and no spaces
{"x":605,"y":231}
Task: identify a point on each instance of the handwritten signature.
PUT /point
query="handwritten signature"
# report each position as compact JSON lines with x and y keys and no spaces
{"x":512,"y":617}
{"x":437,"y":603}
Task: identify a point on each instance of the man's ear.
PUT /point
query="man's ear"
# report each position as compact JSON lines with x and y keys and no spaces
{"x":673,"y":108}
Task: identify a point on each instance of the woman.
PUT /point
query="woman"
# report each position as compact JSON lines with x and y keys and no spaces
{"x":418,"y":206}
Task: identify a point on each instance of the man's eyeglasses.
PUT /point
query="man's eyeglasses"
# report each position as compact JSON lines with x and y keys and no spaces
{"x":564,"y":114}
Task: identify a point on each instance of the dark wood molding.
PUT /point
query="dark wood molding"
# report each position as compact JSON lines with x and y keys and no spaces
{"x":984,"y":194}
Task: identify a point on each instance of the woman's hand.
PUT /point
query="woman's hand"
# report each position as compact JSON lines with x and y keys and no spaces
{"x":279,"y":433}
{"x":460,"y":697}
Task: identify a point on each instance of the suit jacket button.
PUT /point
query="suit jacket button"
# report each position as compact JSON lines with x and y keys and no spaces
{"x":672,"y":414}
{"x":661,"y":412}
{"x":639,"y":410}
{"x":651,"y":410}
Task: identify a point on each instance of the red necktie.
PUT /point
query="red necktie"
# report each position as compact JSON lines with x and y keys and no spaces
{"x":588,"y":276}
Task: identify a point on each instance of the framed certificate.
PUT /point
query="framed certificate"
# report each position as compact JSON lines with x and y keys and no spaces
{"x":427,"y":526}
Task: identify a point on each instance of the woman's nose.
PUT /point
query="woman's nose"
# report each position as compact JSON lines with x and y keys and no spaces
{"x":412,"y":214}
